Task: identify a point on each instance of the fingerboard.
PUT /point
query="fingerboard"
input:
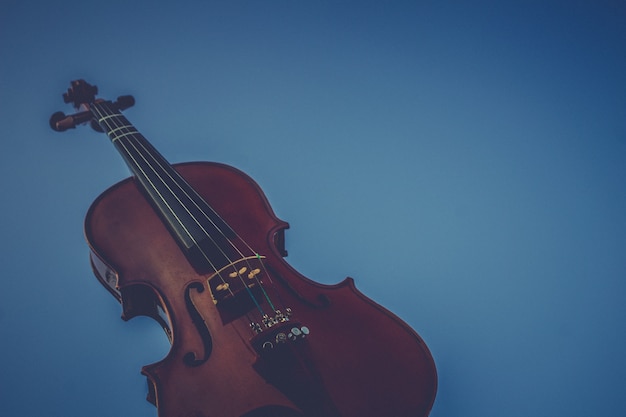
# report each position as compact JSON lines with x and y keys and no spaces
{"x":198,"y":229}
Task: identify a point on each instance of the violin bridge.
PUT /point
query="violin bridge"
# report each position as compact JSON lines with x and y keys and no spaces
{"x":237,"y":287}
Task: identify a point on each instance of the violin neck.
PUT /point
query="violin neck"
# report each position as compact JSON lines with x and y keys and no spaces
{"x":191,"y":221}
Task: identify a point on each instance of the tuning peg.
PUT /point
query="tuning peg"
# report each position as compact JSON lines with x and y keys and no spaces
{"x":55,"y":122}
{"x":124,"y":102}
{"x":60,"y":122}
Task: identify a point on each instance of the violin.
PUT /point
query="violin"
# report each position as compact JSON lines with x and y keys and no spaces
{"x":197,"y":247}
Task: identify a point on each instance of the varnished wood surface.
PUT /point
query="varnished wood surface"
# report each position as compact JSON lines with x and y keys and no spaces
{"x":359,"y":360}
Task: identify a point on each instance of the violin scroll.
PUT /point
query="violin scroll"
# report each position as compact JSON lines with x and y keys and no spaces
{"x":81,"y":94}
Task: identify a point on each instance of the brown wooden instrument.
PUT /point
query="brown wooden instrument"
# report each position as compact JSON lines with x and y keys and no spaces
{"x":197,"y":247}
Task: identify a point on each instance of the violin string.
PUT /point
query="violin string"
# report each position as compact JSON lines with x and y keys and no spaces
{"x":120,"y":140}
{"x":177,"y":181}
{"x":106,"y":119}
{"x":129,"y":134}
{"x":154,"y":187}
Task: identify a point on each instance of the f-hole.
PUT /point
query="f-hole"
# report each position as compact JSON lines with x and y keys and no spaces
{"x":190,"y":358}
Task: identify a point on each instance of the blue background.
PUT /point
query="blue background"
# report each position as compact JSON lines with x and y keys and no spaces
{"x":464,"y":161}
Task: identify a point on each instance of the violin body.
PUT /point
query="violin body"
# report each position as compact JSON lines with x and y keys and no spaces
{"x":198,"y":248}
{"x":356,"y":360}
